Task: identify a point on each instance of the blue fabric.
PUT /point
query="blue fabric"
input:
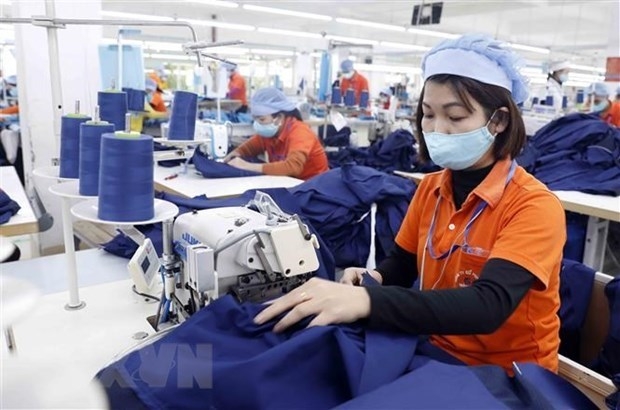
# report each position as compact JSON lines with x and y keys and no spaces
{"x":395,"y":152}
{"x":213,"y":169}
{"x":225,"y":351}
{"x":608,"y":361}
{"x":8,"y":207}
{"x":337,"y":201}
{"x":576,"y":225}
{"x":220,"y":359}
{"x":613,"y":400}
{"x":335,"y":138}
{"x":577,"y":152}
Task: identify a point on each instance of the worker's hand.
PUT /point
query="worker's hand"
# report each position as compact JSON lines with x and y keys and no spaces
{"x":231,"y":155}
{"x":331,"y":302}
{"x":240,"y":163}
{"x":353,"y":276}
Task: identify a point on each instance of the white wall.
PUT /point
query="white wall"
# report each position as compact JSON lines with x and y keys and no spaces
{"x":79,"y":80}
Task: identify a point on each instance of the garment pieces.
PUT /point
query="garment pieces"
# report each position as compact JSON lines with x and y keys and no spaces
{"x":213,"y":169}
{"x":8,"y":207}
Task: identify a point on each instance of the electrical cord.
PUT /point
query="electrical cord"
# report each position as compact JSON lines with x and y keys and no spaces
{"x":133,"y":288}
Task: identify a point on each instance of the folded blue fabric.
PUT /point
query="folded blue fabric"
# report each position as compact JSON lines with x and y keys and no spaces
{"x":608,"y":361}
{"x":8,"y":207}
{"x":213,"y":169}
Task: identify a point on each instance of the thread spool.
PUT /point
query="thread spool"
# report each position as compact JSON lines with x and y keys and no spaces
{"x":336,"y":96}
{"x":580,"y":96}
{"x":363,"y":99}
{"x":70,"y":143}
{"x":90,"y":152}
{"x":564,"y":102}
{"x":349,"y":98}
{"x":135,"y":99}
{"x":126,"y":188}
{"x":113,"y":107}
{"x":549,"y":100}
{"x":183,"y":117}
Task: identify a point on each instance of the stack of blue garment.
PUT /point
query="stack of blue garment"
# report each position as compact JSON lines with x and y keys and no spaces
{"x":338,"y":201}
{"x":577,"y":152}
{"x":8,"y":207}
{"x":219,"y":358}
{"x":394,"y":153}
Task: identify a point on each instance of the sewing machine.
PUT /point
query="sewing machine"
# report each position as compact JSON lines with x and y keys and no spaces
{"x":256,"y":255}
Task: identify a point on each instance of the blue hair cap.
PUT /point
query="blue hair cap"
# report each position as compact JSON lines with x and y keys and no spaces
{"x":150,"y":84}
{"x":599,"y":89}
{"x":482,"y":58}
{"x":346,"y":66}
{"x":268,"y":101}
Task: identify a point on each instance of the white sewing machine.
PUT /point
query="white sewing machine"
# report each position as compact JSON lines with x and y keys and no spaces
{"x":254,"y":255}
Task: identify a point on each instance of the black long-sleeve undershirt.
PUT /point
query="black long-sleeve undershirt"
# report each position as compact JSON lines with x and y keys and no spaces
{"x":479,"y":309}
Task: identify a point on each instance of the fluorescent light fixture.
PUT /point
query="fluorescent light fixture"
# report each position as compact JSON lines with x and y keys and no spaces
{"x":285,"y":12}
{"x":533,"y":49}
{"x":352,"y":58}
{"x":227,"y":50}
{"x":370,"y":24}
{"x":217,"y":3}
{"x":432,"y":33}
{"x":169,"y":57}
{"x":221,"y":24}
{"x":388,"y":68}
{"x":289,"y":32}
{"x":135,"y":16}
{"x":160,"y":46}
{"x":587,"y":68}
{"x":351,"y":40}
{"x":261,"y":51}
{"x":404,"y":46}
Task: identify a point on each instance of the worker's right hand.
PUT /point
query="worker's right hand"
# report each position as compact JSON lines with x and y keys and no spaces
{"x":353,"y":276}
{"x":231,"y":155}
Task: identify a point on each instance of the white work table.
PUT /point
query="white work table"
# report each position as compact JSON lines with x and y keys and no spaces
{"x":599,"y":208}
{"x":193,"y":184}
{"x":24,"y":221}
{"x":70,"y":345}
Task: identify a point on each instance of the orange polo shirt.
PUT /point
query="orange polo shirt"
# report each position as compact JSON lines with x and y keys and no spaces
{"x":612,"y":114}
{"x":296,"y":152}
{"x":358,"y":82}
{"x":236,"y":88}
{"x":523,"y":223}
{"x":157,"y":102}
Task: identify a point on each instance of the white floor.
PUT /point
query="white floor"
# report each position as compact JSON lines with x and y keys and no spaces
{"x":58,"y":351}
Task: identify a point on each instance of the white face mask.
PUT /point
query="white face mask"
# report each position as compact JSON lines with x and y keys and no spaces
{"x":348,"y":75}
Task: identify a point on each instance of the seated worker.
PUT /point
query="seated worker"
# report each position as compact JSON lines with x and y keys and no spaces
{"x":292,"y":148}
{"x":602,"y":106}
{"x":236,"y":88}
{"x":386,"y":97}
{"x":352,"y":79}
{"x":10,"y":89}
{"x":483,"y":237}
{"x":155,"y":99}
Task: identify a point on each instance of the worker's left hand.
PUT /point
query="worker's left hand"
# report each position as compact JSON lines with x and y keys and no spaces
{"x":240,"y":163}
{"x":331,"y":302}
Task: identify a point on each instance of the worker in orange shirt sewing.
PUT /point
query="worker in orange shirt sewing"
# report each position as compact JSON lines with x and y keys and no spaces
{"x":292,"y":148}
{"x":352,"y":79}
{"x":236,"y":88}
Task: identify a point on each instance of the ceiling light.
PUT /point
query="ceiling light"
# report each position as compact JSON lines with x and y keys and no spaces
{"x":221,"y":24}
{"x":370,"y":24}
{"x":403,"y":46}
{"x":388,"y":68}
{"x":432,"y":33}
{"x":135,"y":16}
{"x":587,"y":68}
{"x":351,"y":40}
{"x":289,"y":32}
{"x":217,"y":3}
{"x":227,"y":50}
{"x":272,"y":52}
{"x":169,"y":57}
{"x":156,"y":45}
{"x":524,"y":47}
{"x":287,"y":12}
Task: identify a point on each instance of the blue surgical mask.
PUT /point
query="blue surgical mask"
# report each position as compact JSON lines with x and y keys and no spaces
{"x":600,"y":107}
{"x":348,"y":75}
{"x":266,"y":130}
{"x":563,"y":78}
{"x":458,"y":151}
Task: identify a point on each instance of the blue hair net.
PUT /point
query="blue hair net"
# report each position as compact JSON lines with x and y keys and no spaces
{"x":599,"y":89}
{"x":229,"y":66}
{"x":269,"y":101}
{"x":480,"y":57}
{"x":150,"y":84}
{"x":346,"y":66}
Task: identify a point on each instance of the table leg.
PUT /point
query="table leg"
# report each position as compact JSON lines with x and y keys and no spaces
{"x":72,"y":280}
{"x":596,"y":239}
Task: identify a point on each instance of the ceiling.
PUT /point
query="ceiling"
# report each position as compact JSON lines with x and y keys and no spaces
{"x":584,"y":31}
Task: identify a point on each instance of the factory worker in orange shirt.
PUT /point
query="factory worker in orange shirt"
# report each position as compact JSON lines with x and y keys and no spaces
{"x":236,"y":88}
{"x":352,"y":79}
{"x":292,"y":148}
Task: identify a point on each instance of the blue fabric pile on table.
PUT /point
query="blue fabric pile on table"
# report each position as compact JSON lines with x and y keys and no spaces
{"x":219,"y":358}
{"x":8,"y":207}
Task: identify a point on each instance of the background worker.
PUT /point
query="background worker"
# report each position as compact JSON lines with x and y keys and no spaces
{"x":557,"y":75}
{"x":291,"y":146}
{"x":236,"y":88}
{"x":602,"y":106}
{"x":154,"y":97}
{"x":483,"y":237}
{"x":10,"y":92}
{"x":351,"y":78}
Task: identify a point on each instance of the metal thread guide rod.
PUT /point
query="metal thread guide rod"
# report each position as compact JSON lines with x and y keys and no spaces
{"x":77,"y":106}
{"x":97,"y":117}
{"x":128,"y":123}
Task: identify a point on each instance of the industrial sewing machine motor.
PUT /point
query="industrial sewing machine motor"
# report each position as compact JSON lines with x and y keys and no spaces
{"x":255,"y":255}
